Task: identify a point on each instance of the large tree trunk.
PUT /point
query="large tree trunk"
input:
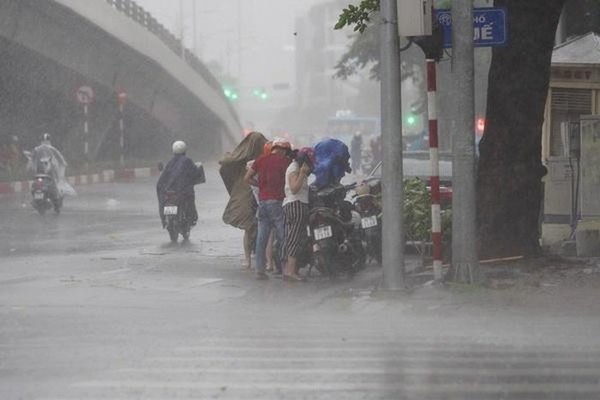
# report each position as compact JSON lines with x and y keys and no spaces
{"x":510,"y":168}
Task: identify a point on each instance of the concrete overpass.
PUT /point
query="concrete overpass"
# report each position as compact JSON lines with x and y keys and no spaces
{"x":49,"y":48}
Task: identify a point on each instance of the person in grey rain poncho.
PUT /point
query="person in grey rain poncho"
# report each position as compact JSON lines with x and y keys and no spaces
{"x":46,"y":159}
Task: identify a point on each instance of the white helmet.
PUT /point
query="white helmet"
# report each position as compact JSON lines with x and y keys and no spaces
{"x":179,"y":147}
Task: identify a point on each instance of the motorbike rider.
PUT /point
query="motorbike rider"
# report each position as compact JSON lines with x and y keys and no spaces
{"x":47,"y":160}
{"x":179,"y":175}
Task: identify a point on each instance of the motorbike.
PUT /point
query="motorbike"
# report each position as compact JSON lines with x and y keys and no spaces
{"x":44,"y":192}
{"x":177,"y":209}
{"x":334,"y":227}
{"x":367,"y":202}
{"x":176,"y":216}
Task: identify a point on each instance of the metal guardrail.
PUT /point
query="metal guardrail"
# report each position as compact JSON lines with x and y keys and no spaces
{"x":145,"y":19}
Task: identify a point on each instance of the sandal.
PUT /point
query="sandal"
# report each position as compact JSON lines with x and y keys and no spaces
{"x":293,"y":278}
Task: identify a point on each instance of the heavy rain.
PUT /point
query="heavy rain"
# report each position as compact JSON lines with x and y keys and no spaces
{"x":299,"y":199}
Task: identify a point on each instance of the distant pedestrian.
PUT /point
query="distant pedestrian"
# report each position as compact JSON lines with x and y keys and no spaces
{"x":270,"y":170}
{"x":376,"y":150}
{"x":356,"y":151}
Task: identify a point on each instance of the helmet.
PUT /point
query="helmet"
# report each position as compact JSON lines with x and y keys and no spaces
{"x":46,"y":137}
{"x":281,"y":143}
{"x":179,"y":147}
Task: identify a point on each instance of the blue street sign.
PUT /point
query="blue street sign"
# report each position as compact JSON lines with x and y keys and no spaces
{"x":489,"y":26}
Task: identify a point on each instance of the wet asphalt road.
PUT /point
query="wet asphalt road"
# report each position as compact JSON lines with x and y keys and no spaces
{"x":95,"y":304}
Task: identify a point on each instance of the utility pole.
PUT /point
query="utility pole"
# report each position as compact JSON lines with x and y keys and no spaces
{"x":391,"y":130}
{"x":465,"y":260}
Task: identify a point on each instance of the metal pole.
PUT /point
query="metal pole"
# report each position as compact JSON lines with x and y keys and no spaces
{"x":122,"y":137}
{"x":86,"y":145}
{"x":392,"y":175}
{"x":465,"y":262}
{"x":434,"y":181}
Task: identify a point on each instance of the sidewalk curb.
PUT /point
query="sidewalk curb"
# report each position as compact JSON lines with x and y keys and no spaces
{"x":110,"y":175}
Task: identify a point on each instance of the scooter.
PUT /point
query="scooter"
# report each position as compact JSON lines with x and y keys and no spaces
{"x":45,"y":194}
{"x":176,"y":216}
{"x":367,"y":202}
{"x":176,"y":209}
{"x":334,"y":227}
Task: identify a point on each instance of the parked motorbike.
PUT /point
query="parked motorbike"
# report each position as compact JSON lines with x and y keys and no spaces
{"x":367,"y":202}
{"x":334,"y":227}
{"x":45,"y":194}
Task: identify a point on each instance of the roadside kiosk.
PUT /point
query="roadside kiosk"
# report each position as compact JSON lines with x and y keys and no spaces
{"x":571,"y":149}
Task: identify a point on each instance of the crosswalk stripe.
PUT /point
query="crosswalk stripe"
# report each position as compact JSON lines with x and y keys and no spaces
{"x":475,"y":371}
{"x":524,"y":388}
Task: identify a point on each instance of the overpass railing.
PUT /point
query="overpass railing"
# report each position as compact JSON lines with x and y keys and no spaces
{"x":145,"y":19}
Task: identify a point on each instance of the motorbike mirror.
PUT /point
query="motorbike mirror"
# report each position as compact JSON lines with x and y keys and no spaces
{"x":160,"y":166}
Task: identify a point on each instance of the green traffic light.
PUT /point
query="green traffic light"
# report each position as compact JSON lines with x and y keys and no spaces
{"x":264,"y":96}
{"x":230,"y":93}
{"x":411,"y":120}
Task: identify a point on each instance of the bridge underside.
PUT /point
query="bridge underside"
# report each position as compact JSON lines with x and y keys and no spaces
{"x":40,"y":72}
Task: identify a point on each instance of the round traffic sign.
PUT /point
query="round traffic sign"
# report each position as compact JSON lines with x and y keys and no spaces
{"x":85,"y":94}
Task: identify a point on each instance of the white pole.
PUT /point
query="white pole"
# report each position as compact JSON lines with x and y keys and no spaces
{"x":122,"y":137}
{"x":85,"y":132}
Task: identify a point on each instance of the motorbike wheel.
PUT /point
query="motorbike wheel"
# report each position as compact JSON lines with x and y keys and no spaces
{"x":376,"y":247}
{"x":325,"y":265}
{"x":41,"y":210}
{"x":186,"y":234}
{"x":58,"y":205}
{"x":173,"y":234}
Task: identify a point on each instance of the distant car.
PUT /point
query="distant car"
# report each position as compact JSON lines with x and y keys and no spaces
{"x":420,"y":168}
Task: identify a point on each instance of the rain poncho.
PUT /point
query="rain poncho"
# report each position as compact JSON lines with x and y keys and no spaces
{"x":331,"y":156}
{"x":180,"y":175}
{"x":240,"y":210}
{"x":46,"y":159}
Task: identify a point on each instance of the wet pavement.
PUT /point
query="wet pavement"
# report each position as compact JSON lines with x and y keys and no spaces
{"x":96,"y":304}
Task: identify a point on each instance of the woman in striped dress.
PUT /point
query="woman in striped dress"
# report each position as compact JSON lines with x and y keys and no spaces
{"x":295,"y":209}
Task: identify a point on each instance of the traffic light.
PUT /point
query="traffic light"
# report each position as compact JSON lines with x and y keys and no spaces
{"x":230,"y":93}
{"x":261,"y":94}
{"x":411,"y":119}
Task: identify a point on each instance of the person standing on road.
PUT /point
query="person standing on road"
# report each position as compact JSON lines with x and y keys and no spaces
{"x":240,"y":211}
{"x":271,"y":182}
{"x":295,"y":210}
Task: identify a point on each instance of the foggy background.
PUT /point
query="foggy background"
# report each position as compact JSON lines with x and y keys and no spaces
{"x":272,"y":46}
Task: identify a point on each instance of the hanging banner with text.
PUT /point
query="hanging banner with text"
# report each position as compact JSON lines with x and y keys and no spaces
{"x":489,"y":26}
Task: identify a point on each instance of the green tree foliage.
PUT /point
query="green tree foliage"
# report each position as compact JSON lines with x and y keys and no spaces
{"x":417,"y":213}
